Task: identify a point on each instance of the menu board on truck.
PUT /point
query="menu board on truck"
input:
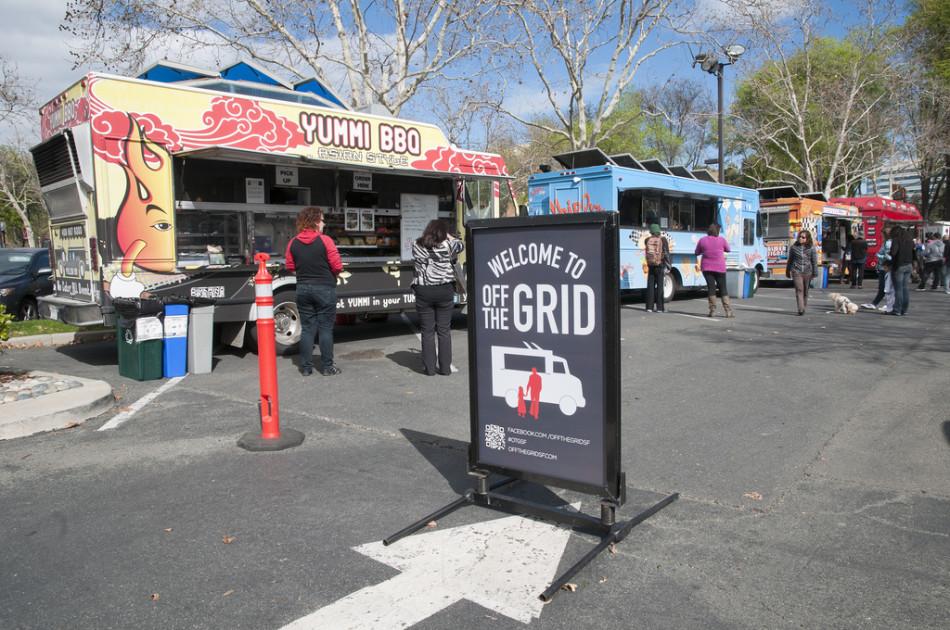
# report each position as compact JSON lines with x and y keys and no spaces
{"x":417,"y":211}
{"x":544,"y":350}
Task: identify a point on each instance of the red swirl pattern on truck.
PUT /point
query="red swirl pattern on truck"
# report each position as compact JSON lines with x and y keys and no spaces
{"x":451,"y":160}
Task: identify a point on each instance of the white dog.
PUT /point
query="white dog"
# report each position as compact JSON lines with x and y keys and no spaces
{"x":843,"y":304}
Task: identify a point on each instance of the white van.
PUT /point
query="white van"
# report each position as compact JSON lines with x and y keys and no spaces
{"x":511,"y":367}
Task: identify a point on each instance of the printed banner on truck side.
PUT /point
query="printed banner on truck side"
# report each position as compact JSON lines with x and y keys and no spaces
{"x":540,"y":325}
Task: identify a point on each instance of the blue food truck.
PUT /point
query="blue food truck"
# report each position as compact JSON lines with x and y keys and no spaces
{"x":682,"y":202}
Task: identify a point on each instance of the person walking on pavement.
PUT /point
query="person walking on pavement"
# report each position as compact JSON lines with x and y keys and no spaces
{"x":859,"y":256}
{"x":902,"y":266}
{"x":801,"y":267}
{"x":712,"y":248}
{"x":657,"y":251}
{"x":434,"y":255}
{"x":316,"y":261}
{"x":883,"y":271}
{"x":933,"y":262}
{"x":946,"y":264}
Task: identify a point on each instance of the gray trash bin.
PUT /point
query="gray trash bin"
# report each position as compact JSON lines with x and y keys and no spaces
{"x":200,"y":339}
{"x":735,"y":278}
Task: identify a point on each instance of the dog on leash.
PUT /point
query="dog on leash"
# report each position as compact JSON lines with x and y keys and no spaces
{"x":843,"y":304}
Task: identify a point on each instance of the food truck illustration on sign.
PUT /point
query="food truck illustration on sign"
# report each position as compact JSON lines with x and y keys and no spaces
{"x":543,"y":377}
{"x":167,"y":185}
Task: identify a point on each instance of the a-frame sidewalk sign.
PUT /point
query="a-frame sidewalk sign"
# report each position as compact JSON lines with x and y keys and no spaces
{"x":544,"y":371}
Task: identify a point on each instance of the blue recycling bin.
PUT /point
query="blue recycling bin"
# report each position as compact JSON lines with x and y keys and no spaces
{"x":175,"y":350}
{"x":748,"y":285}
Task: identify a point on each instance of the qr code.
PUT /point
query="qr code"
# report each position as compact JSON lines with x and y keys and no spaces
{"x":495,"y":437}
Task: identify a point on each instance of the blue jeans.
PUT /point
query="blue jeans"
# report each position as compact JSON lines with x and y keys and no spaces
{"x":900,"y":277}
{"x":316,"y":304}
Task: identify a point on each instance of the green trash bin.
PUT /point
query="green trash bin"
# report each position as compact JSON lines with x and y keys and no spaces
{"x":140,"y":347}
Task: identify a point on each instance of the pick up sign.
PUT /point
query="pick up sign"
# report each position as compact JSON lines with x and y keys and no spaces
{"x":544,"y":349}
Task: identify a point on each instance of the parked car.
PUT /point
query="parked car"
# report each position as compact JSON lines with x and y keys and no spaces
{"x":25,"y":274}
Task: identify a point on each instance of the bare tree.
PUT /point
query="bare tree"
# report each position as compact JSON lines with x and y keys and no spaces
{"x":682,"y":111}
{"x":410,"y":44}
{"x":924,"y":137}
{"x":561,"y":39}
{"x":16,"y":97}
{"x":20,"y":188}
{"x":818,"y":111}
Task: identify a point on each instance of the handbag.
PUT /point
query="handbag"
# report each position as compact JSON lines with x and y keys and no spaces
{"x":460,"y":285}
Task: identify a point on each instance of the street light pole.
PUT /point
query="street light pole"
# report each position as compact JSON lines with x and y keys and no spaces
{"x":711,"y":64}
{"x":722,"y":169}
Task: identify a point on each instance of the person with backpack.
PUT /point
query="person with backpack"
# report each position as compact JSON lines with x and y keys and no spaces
{"x":712,"y":248}
{"x":657,"y":250}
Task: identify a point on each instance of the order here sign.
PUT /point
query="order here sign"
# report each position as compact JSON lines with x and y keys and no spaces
{"x":544,"y":350}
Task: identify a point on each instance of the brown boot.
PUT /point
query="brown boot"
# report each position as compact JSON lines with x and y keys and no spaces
{"x":712,"y":306}
{"x":727,"y":306}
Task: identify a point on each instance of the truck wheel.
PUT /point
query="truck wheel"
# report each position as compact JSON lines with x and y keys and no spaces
{"x":670,"y":286}
{"x":511,"y":397}
{"x":567,"y":405}
{"x":287,"y":325}
{"x":755,"y":281}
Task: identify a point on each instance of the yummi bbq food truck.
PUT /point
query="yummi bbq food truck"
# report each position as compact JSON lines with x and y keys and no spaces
{"x":167,"y":184}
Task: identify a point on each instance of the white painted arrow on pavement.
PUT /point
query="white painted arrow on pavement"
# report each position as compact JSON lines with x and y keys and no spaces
{"x":501,"y":564}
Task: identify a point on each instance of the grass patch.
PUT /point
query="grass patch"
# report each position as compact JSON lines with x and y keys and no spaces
{"x":44,"y":327}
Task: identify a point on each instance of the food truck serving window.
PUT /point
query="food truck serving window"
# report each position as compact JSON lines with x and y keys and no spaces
{"x":775,"y":224}
{"x":210,"y":238}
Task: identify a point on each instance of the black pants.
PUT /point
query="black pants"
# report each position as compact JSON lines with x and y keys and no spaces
{"x":715,"y":279}
{"x":857,"y":273}
{"x":930,"y":268}
{"x":655,"y":287}
{"x":881,"y":283}
{"x":434,"y":305}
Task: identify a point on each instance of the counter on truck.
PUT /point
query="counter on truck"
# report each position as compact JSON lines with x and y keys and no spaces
{"x":167,"y":185}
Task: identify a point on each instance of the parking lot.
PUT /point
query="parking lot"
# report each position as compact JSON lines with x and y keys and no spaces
{"x":812,"y":456}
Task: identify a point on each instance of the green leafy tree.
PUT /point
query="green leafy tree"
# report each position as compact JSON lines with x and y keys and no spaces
{"x":927,"y":33}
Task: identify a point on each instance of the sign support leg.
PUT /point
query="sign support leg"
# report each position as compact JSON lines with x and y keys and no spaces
{"x":606,"y":527}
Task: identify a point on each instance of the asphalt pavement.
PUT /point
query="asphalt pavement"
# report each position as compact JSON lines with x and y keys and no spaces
{"x":812,"y":456}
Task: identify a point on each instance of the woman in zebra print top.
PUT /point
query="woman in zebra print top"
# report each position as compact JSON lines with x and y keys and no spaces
{"x":434,"y":254}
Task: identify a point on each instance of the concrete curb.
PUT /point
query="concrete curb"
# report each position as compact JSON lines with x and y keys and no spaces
{"x":59,"y":410}
{"x":58,"y":339}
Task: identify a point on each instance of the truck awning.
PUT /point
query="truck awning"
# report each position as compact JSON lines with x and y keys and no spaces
{"x":231,"y":154}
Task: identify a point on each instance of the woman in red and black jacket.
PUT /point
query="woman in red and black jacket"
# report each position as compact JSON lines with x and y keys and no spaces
{"x":316,"y":261}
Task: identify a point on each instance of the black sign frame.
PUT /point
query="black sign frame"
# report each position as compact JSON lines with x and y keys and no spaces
{"x":613,"y":486}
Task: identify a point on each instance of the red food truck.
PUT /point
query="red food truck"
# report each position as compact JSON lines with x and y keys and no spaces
{"x":877,"y":213}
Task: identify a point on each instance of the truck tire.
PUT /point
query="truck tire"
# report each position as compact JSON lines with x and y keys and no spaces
{"x":287,"y":325}
{"x":671,"y":285}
